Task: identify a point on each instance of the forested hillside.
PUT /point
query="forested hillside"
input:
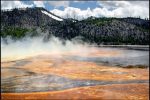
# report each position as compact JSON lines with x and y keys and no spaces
{"x":19,"y":22}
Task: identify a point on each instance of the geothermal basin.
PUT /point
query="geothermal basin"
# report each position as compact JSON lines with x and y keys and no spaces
{"x":97,"y":73}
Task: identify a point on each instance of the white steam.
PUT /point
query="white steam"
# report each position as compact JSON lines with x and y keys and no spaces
{"x":33,"y":46}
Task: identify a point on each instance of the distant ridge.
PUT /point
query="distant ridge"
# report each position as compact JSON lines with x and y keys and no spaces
{"x":93,"y":30}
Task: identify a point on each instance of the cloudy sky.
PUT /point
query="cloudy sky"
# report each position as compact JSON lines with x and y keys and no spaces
{"x":84,"y":9}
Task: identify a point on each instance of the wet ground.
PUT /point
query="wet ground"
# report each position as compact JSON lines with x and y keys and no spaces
{"x":95,"y":72}
{"x":99,"y":92}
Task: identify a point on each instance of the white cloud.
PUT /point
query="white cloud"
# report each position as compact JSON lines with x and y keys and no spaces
{"x":120,"y":9}
{"x":140,"y":3}
{"x":59,"y":3}
{"x":14,"y":4}
{"x":108,"y":8}
{"x":127,"y":8}
{"x":56,"y":4}
{"x":113,"y":4}
{"x":39,"y":3}
{"x":70,"y":12}
{"x":79,"y":1}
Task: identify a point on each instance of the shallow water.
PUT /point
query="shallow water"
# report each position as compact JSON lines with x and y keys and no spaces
{"x":26,"y":76}
{"x":39,"y":83}
{"x":127,"y":57}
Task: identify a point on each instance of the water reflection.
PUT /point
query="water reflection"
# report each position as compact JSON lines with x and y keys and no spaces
{"x":127,"y":57}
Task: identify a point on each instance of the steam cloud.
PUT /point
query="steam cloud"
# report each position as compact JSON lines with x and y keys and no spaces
{"x":33,"y":46}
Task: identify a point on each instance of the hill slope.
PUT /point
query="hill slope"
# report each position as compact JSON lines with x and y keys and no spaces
{"x":94,"y":30}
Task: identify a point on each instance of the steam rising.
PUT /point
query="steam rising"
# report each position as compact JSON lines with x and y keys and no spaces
{"x":33,"y":46}
{"x":29,"y":46}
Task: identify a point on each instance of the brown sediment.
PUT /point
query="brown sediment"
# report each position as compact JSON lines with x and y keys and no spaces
{"x":93,"y":52}
{"x":85,"y":70}
{"x":135,"y":66}
{"x":7,"y":64}
{"x":103,"y":92}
